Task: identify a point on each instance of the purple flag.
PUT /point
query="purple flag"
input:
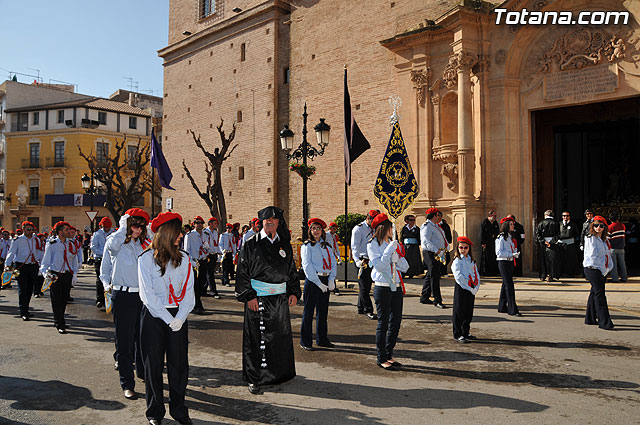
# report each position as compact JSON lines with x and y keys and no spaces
{"x":160,"y":163}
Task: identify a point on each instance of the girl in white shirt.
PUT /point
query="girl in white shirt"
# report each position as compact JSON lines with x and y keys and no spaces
{"x":465,"y":272}
{"x":505,"y":254}
{"x":597,"y":263}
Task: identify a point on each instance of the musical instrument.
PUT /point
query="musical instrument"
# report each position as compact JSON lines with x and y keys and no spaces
{"x":49,"y":278}
{"x":441,"y":256}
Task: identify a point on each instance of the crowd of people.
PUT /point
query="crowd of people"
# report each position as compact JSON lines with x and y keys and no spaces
{"x":153,"y":273}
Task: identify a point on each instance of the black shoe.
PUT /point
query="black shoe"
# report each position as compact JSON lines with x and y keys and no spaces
{"x":216,"y":296}
{"x":461,"y":339}
{"x":326,"y":345}
{"x":61,"y":331}
{"x":440,"y":305}
{"x":516,"y":314}
{"x":115,"y":365}
{"x":185,"y":421}
{"x":372,"y":316}
{"x":37,"y":295}
{"x":155,"y":421}
{"x":471,"y":337}
{"x":336,"y":292}
{"x":392,"y":367}
{"x":130,"y":394}
{"x":304,"y":347}
{"x":427,"y":301}
{"x":360,"y":312}
{"x":25,"y":318}
{"x":207,"y":295}
{"x":254,"y":389}
{"x":198,"y":310}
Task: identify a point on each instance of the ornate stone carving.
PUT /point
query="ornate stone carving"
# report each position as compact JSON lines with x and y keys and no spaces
{"x":420,"y":80}
{"x":461,"y":61}
{"x":481,"y":65}
{"x":501,"y":57}
{"x":450,"y":171}
{"x":446,"y":153}
{"x":582,"y":47}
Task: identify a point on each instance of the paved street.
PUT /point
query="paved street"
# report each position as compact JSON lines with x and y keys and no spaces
{"x":544,"y":368}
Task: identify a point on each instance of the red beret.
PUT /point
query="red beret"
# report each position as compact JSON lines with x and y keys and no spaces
{"x":212,"y":219}
{"x":332,"y":224}
{"x":317,"y":221}
{"x":255,"y":220}
{"x":105,"y":222}
{"x":138,"y":212}
{"x":198,"y":218}
{"x":28,"y":223}
{"x":40,"y":235}
{"x":229,"y":226}
{"x":163,"y":218}
{"x":432,"y":211}
{"x":73,"y":228}
{"x":465,"y":240}
{"x":236,"y":224}
{"x":60,"y":224}
{"x":601,"y":219}
{"x":18,"y":230}
{"x":507,"y":219}
{"x":373,"y":213}
{"x":379,"y":219}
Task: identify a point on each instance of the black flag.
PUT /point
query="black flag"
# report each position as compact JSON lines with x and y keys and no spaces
{"x":355,"y":144}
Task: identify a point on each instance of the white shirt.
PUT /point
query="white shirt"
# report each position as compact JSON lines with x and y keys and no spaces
{"x":106,"y":269}
{"x":123,"y":258}
{"x":98,"y":241}
{"x":504,"y":248}
{"x":226,"y":242}
{"x":59,"y":257}
{"x":360,"y":236}
{"x":263,"y":235}
{"x":23,"y":250}
{"x":463,"y":269}
{"x":5,"y":244}
{"x":211,"y":237}
{"x":432,"y":237}
{"x":597,"y":254}
{"x":195,"y":245}
{"x":155,"y":289}
{"x":380,"y":261}
{"x":333,"y":241}
{"x":247,"y":235}
{"x":317,"y":259}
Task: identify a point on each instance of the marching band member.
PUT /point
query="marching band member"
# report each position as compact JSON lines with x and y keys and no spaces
{"x":122,"y":250}
{"x":165,"y":276}
{"x":465,"y":273}
{"x":60,"y":262}
{"x":98,"y":240}
{"x":332,"y":240}
{"x":211,"y":237}
{"x":228,"y":253}
{"x":255,"y":229}
{"x":434,"y":247}
{"x":198,"y":249}
{"x":360,"y":236}
{"x":597,"y":263}
{"x":505,"y":255}
{"x":410,"y":236}
{"x":22,"y":257}
{"x":320,"y":269}
{"x":268,"y":285}
{"x":389,"y":290}
{"x":41,"y":243}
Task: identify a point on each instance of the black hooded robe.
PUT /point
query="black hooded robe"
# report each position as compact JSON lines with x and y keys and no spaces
{"x":270,"y":341}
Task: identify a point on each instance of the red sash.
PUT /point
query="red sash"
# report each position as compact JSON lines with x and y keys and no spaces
{"x":64,"y":256}
{"x":473,"y":282}
{"x":326,"y":266}
{"x":172,"y":296}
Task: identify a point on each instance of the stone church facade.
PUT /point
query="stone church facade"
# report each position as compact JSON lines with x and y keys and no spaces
{"x":520,"y":118}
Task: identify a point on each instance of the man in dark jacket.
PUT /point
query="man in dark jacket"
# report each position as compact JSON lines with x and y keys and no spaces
{"x":489,"y":230}
{"x":568,"y":242}
{"x":547,"y":234}
{"x":518,"y":236}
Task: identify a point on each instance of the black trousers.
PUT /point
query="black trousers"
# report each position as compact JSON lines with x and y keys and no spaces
{"x":99,"y":286}
{"x":550,"y":264}
{"x":364,"y":291}
{"x":597,"y":308}
{"x":156,"y":340}
{"x":37,"y":287}
{"x":211,"y":273}
{"x":314,"y":299}
{"x":26,"y":282}
{"x":507,"y":302}
{"x":200,"y":282}
{"x":227,"y":268}
{"x":389,"y":306}
{"x":463,"y":302}
{"x":59,"y":296}
{"x":126,"y":317}
{"x":431,"y":279}
{"x":518,"y":268}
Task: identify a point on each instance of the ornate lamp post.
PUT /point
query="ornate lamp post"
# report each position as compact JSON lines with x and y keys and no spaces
{"x":89,"y":186}
{"x":304,"y":151}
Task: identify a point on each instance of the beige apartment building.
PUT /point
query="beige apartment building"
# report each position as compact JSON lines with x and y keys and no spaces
{"x":513,"y":116}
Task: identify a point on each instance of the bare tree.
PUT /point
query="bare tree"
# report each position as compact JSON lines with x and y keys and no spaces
{"x":213,"y":194}
{"x":125,"y":176}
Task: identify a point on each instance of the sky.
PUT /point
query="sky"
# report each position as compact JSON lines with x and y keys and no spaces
{"x":97,"y":45}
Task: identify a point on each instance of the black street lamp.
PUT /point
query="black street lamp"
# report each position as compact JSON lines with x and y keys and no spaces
{"x":89,"y":186}
{"x":303,"y":152}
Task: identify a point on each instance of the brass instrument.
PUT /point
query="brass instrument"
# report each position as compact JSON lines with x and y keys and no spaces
{"x":441,"y":256}
{"x":49,"y":278}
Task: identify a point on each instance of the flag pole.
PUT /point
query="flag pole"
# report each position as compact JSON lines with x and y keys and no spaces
{"x":153,"y":186}
{"x":346,"y":236}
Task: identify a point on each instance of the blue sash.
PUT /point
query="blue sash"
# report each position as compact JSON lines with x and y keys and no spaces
{"x":264,"y":289}
{"x":411,"y":241}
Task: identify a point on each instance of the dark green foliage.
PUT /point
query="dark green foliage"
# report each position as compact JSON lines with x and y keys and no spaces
{"x":352,"y":221}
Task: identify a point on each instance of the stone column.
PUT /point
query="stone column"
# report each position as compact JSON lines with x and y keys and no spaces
{"x":463,"y":63}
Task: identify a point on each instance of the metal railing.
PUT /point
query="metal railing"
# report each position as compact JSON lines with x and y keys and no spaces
{"x":23,"y":126}
{"x":35,"y":201}
{"x":31,"y":163}
{"x":55,"y":162}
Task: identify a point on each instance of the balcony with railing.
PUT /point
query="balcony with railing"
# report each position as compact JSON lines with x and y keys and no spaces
{"x":56,"y":162}
{"x":22,"y":126}
{"x":35,"y":201}
{"x":31,"y":163}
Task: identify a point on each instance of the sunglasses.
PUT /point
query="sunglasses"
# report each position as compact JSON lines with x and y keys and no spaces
{"x":198,"y":222}
{"x":463,"y":247}
{"x":137,"y":226}
{"x":566,"y":215}
{"x":598,"y":225}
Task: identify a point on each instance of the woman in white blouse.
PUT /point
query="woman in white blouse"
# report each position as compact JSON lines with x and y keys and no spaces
{"x":505,"y":254}
{"x":165,"y":274}
{"x":388,"y":291}
{"x":597,"y":263}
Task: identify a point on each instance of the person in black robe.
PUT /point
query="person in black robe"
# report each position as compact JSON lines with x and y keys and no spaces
{"x":489,"y":230}
{"x":410,"y":236}
{"x":518,"y":237}
{"x":547,"y":234}
{"x":267,"y":283}
{"x":568,"y":242}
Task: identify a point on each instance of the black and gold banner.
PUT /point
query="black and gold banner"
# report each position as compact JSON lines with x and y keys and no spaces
{"x":396,"y":186}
